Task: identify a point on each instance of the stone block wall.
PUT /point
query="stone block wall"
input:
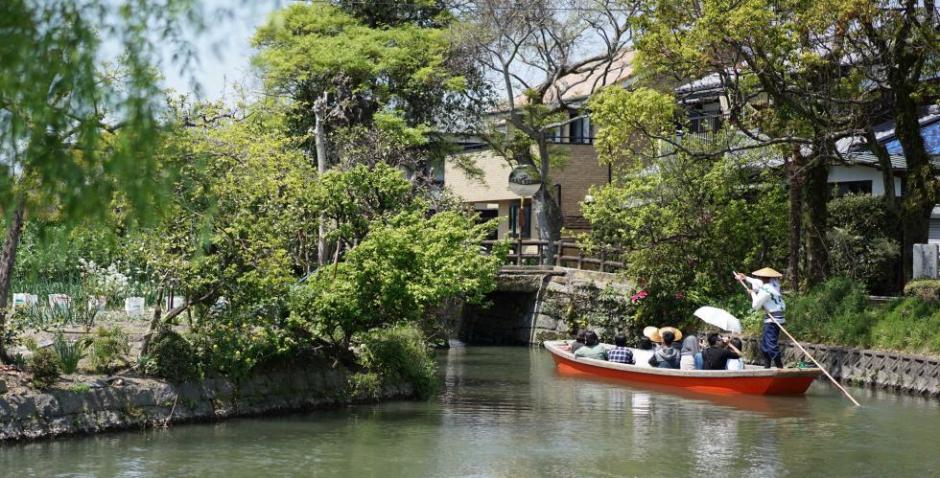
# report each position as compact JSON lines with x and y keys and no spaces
{"x":128,"y":403}
{"x":877,"y":369}
{"x":532,"y":305}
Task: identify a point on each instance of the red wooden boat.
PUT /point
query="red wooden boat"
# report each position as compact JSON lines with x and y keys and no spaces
{"x":752,"y":380}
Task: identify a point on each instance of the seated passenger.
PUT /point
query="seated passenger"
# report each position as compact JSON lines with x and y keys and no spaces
{"x":666,"y":356}
{"x":592,"y":347}
{"x":738,"y":363}
{"x":716,"y":357}
{"x":643,"y":352}
{"x":578,"y":342}
{"x":620,"y":353}
{"x":690,"y":348}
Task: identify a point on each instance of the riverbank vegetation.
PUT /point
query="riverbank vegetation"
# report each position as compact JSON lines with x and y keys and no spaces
{"x":839,"y":312}
{"x":704,"y":193}
{"x":309,"y":219}
{"x":303,"y":222}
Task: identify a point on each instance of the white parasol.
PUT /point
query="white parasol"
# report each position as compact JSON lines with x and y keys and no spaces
{"x":719,"y":318}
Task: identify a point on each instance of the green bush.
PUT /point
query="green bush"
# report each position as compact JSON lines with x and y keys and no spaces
{"x":69,"y":353}
{"x":109,"y":348}
{"x":927,"y":290}
{"x":171,"y":357}
{"x":365,"y":386}
{"x":861,"y":245}
{"x":45,"y":368}
{"x":400,"y":353}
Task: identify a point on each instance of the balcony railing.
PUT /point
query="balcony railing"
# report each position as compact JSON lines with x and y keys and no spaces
{"x":567,"y":254}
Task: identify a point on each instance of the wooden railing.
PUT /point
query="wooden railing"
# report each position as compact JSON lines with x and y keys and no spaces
{"x":566,"y":254}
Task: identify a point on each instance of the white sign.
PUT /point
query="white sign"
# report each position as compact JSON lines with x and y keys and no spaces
{"x":61,"y":301}
{"x":134,"y":306}
{"x":25,"y":300}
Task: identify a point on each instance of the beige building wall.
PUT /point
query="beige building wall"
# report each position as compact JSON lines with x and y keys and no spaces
{"x":579,"y":172}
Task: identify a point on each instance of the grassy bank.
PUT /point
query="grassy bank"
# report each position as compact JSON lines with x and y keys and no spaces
{"x":839,"y":312}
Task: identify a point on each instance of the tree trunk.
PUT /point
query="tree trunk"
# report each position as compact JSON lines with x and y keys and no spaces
{"x":319,"y":134}
{"x":795,"y":238}
{"x":921,"y":194}
{"x":887,"y":170}
{"x":546,"y":207}
{"x":815,"y":202}
{"x":7,"y":261}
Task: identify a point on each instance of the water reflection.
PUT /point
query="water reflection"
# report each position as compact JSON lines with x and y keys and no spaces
{"x":507,"y":412}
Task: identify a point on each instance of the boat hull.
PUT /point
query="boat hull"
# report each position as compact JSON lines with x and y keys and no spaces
{"x":751,"y":382}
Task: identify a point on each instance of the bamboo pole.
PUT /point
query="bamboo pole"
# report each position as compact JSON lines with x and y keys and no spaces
{"x":797,"y":343}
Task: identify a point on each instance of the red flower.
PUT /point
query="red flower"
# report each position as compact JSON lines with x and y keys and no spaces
{"x":638,"y":296}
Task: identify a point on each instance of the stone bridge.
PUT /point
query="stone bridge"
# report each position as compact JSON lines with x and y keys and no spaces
{"x":536,"y":303}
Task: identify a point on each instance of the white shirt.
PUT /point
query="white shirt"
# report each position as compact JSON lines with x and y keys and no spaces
{"x":767,"y":297}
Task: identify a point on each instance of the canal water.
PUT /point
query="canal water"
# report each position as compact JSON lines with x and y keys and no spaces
{"x":507,"y":412}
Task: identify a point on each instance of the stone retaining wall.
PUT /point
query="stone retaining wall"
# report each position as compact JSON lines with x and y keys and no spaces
{"x":531,"y":305}
{"x":885,"y":370}
{"x":141,"y":402}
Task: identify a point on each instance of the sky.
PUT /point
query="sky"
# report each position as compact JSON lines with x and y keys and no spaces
{"x":222,"y":52}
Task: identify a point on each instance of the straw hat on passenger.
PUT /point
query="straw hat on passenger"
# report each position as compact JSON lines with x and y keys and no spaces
{"x":768,"y":273}
{"x":656,"y":335}
{"x":675,"y":332}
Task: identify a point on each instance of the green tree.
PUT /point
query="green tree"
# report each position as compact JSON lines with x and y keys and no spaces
{"x":807,"y":75}
{"x":243,"y":222}
{"x":363,"y":64}
{"x":684,"y":224}
{"x":535,"y":52}
{"x":74,"y":137}
{"x":402,"y":268}
{"x":354,"y":199}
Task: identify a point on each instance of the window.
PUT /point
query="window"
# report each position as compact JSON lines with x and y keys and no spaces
{"x":486,"y":215}
{"x":526,"y":221}
{"x":555,"y":135}
{"x":842,"y":188}
{"x":579,"y":129}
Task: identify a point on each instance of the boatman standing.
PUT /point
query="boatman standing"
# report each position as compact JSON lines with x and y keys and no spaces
{"x":765,"y":294}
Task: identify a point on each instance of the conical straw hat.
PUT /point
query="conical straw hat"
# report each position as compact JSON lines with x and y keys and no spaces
{"x":656,"y":335}
{"x":675,"y":332}
{"x":767,"y":272}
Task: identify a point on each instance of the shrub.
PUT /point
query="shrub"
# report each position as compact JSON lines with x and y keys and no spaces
{"x":172,"y":357}
{"x":927,"y":290}
{"x":44,"y":366}
{"x":365,"y":386}
{"x":400,"y":352}
{"x":69,"y":353}
{"x":109,"y":346}
{"x":80,"y":388}
{"x":861,"y":244}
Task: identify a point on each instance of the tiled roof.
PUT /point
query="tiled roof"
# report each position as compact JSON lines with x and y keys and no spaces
{"x":867,"y":158}
{"x":580,"y":86}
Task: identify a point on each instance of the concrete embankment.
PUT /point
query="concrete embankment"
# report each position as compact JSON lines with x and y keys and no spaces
{"x":135,"y":402}
{"x":914,"y":374}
